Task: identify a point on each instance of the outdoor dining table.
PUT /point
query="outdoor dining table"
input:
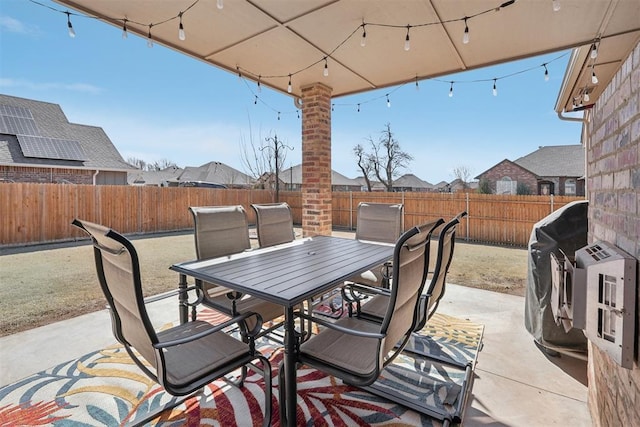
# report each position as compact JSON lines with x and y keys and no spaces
{"x":288,"y":275}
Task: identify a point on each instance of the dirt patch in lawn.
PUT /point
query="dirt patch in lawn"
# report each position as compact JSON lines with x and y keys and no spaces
{"x":40,"y":285}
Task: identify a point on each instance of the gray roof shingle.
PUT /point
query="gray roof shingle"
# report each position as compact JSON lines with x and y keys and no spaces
{"x":51,"y":122}
{"x":555,"y":160}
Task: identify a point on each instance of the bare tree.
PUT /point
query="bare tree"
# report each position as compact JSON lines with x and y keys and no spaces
{"x":254,"y":161}
{"x":386,"y":158}
{"x":138,"y":163}
{"x":161,"y":164}
{"x":463,"y":173}
{"x":364,"y":164}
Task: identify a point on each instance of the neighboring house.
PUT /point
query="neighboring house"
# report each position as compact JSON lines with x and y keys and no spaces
{"x":291,"y":179}
{"x":557,"y":169}
{"x":442,"y":187}
{"x":458,"y":185}
{"x":214,"y":173}
{"x":410,"y":182}
{"x":159,"y":178}
{"x":375,"y":185}
{"x":38,"y":144}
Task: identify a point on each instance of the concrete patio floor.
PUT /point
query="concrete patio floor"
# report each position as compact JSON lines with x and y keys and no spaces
{"x":516,"y":384}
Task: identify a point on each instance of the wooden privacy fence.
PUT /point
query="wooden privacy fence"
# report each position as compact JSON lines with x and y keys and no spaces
{"x":39,"y":213}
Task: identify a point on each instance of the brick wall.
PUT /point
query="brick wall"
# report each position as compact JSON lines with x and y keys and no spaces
{"x":45,"y":175}
{"x":613,"y":171}
{"x":513,"y":171}
{"x":316,"y":160}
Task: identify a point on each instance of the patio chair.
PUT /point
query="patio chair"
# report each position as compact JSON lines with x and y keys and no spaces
{"x":221,"y":231}
{"x":357,"y":350}
{"x":274,"y":223}
{"x":375,"y":307}
{"x":182,"y":359}
{"x":377,"y":222}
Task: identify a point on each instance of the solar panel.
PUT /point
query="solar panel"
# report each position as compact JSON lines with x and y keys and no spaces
{"x":17,"y":120}
{"x":51,"y":148}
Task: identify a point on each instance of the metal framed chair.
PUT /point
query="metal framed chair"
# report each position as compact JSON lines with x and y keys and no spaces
{"x":184,"y":358}
{"x":357,"y":350}
{"x":221,"y":231}
{"x":274,"y":224}
{"x":382,"y":223}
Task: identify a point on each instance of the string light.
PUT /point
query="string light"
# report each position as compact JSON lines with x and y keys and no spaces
{"x":149,"y":38}
{"x":546,"y":73}
{"x":181,"y":34}
{"x":407,"y":42}
{"x":220,"y":4}
{"x":125,"y":34}
{"x":259,"y":85}
{"x":451,"y":90}
{"x":298,"y":113}
{"x":495,"y":88}
{"x":278,"y":115}
{"x":417,"y":85}
{"x":363,"y":40}
{"x":333,"y":107}
{"x":72,"y":32}
{"x":594,"y":51}
{"x":586,"y":97}
{"x":358,"y":108}
{"x":388,"y":101}
{"x":325,"y":72}
{"x":289,"y":85}
{"x":465,"y":36}
{"x":255,"y":101}
{"x":556,"y":5}
{"x":594,"y":78}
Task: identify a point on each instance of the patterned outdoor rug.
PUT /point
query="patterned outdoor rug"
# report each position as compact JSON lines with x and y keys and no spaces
{"x":105,"y":388}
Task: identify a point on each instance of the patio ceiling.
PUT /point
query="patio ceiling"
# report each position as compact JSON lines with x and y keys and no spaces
{"x":268,"y":40}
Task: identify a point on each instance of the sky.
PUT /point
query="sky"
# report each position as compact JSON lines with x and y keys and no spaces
{"x":156,"y":104}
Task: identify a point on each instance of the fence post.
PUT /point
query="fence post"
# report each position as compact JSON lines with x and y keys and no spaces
{"x":467,"y":203}
{"x":350,"y":210}
{"x":551,"y":202}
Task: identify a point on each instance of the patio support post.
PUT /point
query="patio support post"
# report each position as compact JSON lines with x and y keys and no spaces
{"x":316,"y":160}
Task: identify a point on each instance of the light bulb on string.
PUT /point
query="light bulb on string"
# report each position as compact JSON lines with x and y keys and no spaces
{"x":556,"y":5}
{"x":594,"y":51}
{"x":495,"y":88}
{"x":546,"y":73}
{"x":465,"y":36}
{"x":278,"y":115}
{"x":417,"y":85}
{"x":298,"y":113}
{"x":239,"y":73}
{"x":451,"y":90}
{"x":259,"y":85}
{"x":407,"y":42}
{"x":220,"y":4}
{"x":586,"y":97}
{"x":358,"y":108}
{"x":125,"y":33}
{"x":333,"y":107}
{"x":325,"y":72}
{"x":149,"y":38}
{"x":255,"y":101}
{"x":72,"y":32}
{"x":594,"y":78}
{"x":388,"y":101}
{"x":181,"y":34}
{"x":363,"y":39}
{"x":289,"y":88}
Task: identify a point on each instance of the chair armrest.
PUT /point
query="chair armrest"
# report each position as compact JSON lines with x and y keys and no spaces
{"x":212,"y":330}
{"x":342,"y":329}
{"x":175,"y":292}
{"x":362,"y":288}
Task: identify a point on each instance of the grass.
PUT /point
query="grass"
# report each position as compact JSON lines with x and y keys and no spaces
{"x":38,"y":287}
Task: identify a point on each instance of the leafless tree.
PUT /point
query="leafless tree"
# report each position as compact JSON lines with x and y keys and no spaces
{"x":463,"y":173}
{"x":158,"y":165}
{"x":386,"y":158}
{"x":364,"y":164}
{"x":254,"y":161}
{"x":138,"y":163}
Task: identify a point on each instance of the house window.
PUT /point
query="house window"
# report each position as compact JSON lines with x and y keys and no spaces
{"x":570,"y":187}
{"x":506,"y":186}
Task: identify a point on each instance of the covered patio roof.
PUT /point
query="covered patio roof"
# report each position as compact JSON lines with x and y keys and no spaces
{"x":277,"y":42}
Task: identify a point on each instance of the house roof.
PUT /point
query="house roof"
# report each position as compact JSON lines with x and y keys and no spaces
{"x":140,"y":177}
{"x":37,"y":133}
{"x":409,"y":180}
{"x":293,"y":175}
{"x":555,"y":160}
{"x":277,"y":42}
{"x":216,"y":173}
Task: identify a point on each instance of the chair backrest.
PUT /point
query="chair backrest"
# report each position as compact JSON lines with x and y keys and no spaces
{"x":118,"y":271}
{"x":446,"y":245}
{"x":379,"y":222}
{"x":274,"y":223}
{"x":410,"y":266}
{"x":220,"y":230}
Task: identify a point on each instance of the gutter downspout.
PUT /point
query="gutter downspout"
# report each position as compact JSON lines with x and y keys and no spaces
{"x":95,"y":175}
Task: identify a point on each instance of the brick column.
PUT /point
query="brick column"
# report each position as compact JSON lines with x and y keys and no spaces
{"x":316,"y":160}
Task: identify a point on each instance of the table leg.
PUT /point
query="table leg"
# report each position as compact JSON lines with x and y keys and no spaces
{"x":290,"y":404}
{"x":183,"y":309}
